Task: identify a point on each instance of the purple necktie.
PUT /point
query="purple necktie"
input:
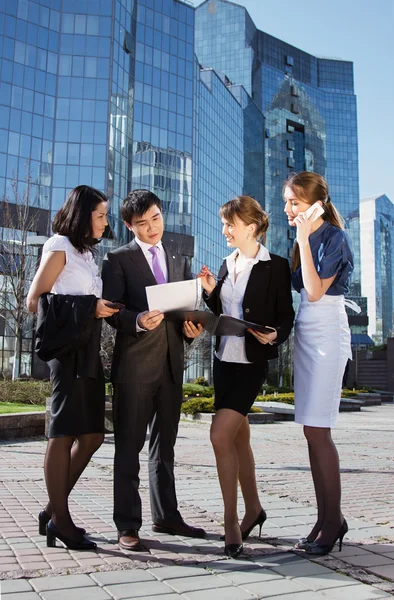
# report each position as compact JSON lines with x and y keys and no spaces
{"x":158,"y":273}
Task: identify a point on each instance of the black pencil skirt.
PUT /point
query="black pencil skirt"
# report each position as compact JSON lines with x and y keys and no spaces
{"x":237,"y":384}
{"x":78,"y":403}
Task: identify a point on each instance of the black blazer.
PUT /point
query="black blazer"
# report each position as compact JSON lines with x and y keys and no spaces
{"x":125,"y":274}
{"x":66,"y":325}
{"x":267,"y":301}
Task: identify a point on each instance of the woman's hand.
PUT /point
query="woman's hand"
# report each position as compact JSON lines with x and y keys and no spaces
{"x":191,"y":330}
{"x":208,"y":280}
{"x":264,"y":338}
{"x":304,"y":227}
{"x":103,"y":310}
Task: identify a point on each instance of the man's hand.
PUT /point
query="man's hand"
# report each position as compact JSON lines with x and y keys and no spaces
{"x":264,"y":338}
{"x":150,"y":320}
{"x":190,"y":330}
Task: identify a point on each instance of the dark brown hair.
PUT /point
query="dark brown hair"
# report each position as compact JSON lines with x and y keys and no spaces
{"x":249,"y":211}
{"x":74,"y":219}
{"x":311,"y":187}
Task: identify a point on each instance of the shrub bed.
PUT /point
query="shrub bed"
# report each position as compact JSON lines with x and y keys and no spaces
{"x":25,"y":392}
{"x":194,"y":389}
{"x":287,"y":398}
{"x":205,"y":405}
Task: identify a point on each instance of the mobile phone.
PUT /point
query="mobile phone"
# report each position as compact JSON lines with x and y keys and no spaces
{"x":319,"y":212}
{"x":118,"y":305}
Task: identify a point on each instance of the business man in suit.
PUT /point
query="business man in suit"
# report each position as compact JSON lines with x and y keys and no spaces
{"x":147,"y":371}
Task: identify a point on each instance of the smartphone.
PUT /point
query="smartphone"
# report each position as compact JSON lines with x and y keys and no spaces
{"x":118,"y":305}
{"x":319,"y":212}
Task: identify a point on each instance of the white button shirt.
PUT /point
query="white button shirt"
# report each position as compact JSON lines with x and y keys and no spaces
{"x":80,"y":275}
{"x":232,"y":348}
{"x":149,"y":257}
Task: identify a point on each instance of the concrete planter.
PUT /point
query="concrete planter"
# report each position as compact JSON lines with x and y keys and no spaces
{"x":22,"y":425}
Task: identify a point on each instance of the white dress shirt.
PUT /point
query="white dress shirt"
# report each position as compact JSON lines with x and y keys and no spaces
{"x":232,"y":348}
{"x":80,"y":275}
{"x":161,"y":255}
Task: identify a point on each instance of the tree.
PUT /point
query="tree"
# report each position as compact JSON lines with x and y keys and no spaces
{"x":18,"y":262}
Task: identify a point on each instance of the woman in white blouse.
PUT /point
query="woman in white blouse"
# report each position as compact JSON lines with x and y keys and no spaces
{"x":76,"y":427}
{"x":253,"y":285}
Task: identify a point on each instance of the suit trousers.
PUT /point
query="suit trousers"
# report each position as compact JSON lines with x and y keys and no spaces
{"x":137,"y":405}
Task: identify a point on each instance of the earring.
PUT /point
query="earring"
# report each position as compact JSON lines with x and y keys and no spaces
{"x":248,"y":236}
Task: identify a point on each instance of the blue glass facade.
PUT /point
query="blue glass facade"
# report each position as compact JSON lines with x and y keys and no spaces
{"x":377,"y":260}
{"x":196,"y":105}
{"x":309,"y":111}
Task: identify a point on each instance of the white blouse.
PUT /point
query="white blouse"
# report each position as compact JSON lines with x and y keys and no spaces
{"x":232,"y":348}
{"x":80,"y":275}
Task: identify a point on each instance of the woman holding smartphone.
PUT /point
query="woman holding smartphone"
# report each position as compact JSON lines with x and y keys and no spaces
{"x":253,"y":285}
{"x":322,"y":263}
{"x":76,"y":428}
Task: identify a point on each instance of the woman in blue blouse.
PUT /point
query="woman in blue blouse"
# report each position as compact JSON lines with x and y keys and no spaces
{"x":322,"y":263}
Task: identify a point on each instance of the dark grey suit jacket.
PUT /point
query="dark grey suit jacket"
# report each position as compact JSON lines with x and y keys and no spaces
{"x":126,"y":273}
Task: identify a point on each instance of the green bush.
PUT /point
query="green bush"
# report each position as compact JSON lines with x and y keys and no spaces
{"x":286,"y":398}
{"x":205,"y":405}
{"x":25,"y":392}
{"x":193,"y":389}
{"x":201,"y":381}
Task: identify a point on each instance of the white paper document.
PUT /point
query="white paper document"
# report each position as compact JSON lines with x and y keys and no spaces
{"x":179,"y":295}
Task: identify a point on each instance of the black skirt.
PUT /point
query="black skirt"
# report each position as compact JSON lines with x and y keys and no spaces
{"x":78,"y":403}
{"x":237,"y":384}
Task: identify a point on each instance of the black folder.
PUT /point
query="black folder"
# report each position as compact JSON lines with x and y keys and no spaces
{"x":222,"y":325}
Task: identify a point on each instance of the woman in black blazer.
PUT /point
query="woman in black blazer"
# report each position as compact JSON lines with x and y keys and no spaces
{"x":253,"y":285}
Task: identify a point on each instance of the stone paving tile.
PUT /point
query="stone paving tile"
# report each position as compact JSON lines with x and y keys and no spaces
{"x":358,"y":592}
{"x":61,"y":582}
{"x":17,"y":586}
{"x":275,"y":587}
{"x":324,"y":581}
{"x":226,"y":593}
{"x":191,"y":584}
{"x":145,"y":589}
{"x":118,"y":577}
{"x":22,"y":596}
{"x":248,"y":576}
{"x":165,"y":573}
{"x":385,"y":571}
{"x":369,"y":560}
{"x":76,"y":594}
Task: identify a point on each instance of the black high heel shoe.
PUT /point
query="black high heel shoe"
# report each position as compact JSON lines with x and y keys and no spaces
{"x":43,"y":520}
{"x":233,"y":550}
{"x":323,"y":549}
{"x":303,"y":543}
{"x":261,"y":519}
{"x":53,"y":533}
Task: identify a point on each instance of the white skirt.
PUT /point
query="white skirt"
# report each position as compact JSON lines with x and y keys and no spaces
{"x":321,"y":350}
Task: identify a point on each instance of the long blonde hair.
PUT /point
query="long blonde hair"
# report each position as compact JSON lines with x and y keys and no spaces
{"x":311,"y":187}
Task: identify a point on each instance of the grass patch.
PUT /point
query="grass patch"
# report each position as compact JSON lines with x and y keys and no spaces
{"x":13,"y":407}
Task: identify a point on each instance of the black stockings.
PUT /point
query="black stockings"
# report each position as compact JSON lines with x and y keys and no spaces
{"x":324,"y":461}
{"x":65,"y":460}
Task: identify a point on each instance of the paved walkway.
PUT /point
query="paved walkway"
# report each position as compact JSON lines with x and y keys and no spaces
{"x":178,"y":567}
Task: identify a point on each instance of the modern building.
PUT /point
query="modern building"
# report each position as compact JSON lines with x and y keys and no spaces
{"x":377,"y":262}
{"x":195,"y":104}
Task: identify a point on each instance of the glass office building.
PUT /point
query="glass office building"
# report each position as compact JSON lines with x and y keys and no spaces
{"x":309,"y":110}
{"x":377,"y":261}
{"x":196,"y":105}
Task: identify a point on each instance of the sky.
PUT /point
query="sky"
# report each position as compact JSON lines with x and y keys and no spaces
{"x":360,"y":31}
